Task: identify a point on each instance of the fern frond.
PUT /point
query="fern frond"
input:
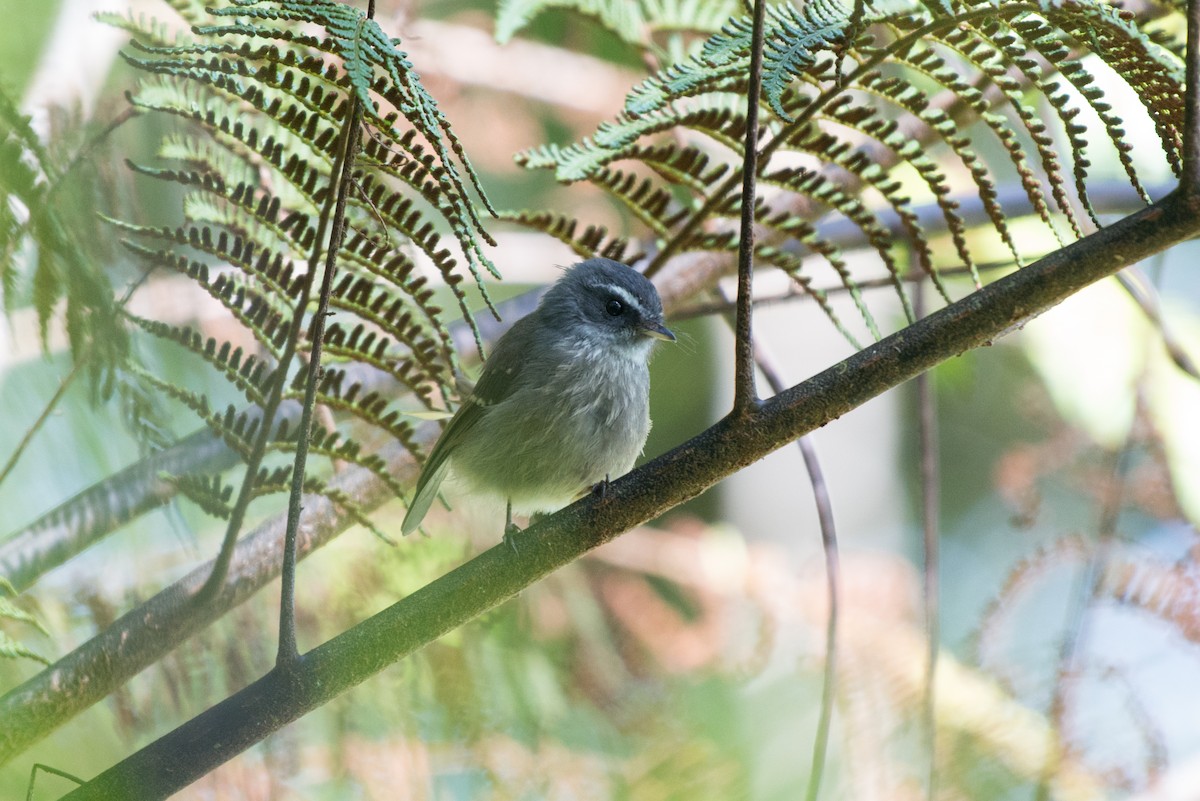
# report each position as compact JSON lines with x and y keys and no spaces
{"x":792,"y":41}
{"x":371,"y":407}
{"x":371,"y":68}
{"x":992,"y":56}
{"x":363,"y":48}
{"x":870,"y":111}
{"x":853,"y":208}
{"x":10,"y":611}
{"x":594,"y":241}
{"x":279,"y":482}
{"x":793,"y":266}
{"x":806,"y":234}
{"x":233,"y":427}
{"x":248,"y":373}
{"x":1154,"y":73}
{"x":623,"y":17}
{"x":209,"y":492}
{"x":356,"y":511}
{"x":374,"y":304}
{"x":338,"y":448}
{"x":648,"y":202}
{"x":42,"y":205}
{"x":11,"y":649}
{"x":259,"y":93}
{"x":687,"y":166}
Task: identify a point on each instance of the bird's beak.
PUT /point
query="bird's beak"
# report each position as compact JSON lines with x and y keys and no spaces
{"x":650,"y":328}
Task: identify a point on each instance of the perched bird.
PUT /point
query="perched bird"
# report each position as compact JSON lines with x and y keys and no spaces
{"x":563,"y":402}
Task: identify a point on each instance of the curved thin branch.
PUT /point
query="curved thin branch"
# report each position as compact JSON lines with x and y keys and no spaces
{"x":63,"y":385}
{"x":1134,"y":282}
{"x":280,"y":697}
{"x":927,"y":435}
{"x":829,"y":544}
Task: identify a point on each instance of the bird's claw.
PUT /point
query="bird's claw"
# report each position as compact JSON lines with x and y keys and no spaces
{"x":511,"y":530}
{"x":600,"y":489}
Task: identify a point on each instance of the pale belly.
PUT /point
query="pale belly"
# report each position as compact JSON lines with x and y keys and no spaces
{"x":546,"y":449}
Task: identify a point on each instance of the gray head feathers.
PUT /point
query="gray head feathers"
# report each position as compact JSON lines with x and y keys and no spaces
{"x":606,"y":299}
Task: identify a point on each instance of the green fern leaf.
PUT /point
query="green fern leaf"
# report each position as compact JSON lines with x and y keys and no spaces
{"x":57,"y":213}
{"x":10,"y":648}
{"x":11,"y":611}
{"x":792,"y":41}
{"x":594,"y":241}
{"x":364,"y":47}
{"x":623,"y":17}
{"x":879,"y":102}
{"x":210,"y":493}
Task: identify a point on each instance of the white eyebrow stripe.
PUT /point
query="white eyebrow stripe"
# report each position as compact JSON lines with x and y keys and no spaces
{"x":627,"y":296}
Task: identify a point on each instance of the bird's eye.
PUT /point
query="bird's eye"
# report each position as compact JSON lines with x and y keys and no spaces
{"x":614,"y":307}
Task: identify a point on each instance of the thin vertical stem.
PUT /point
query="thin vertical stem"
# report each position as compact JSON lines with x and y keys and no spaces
{"x":49,"y":408}
{"x":832,"y":570}
{"x":745,"y":394}
{"x":829,"y":544}
{"x":238,"y":514}
{"x":1190,"y":180}
{"x":288,"y":651}
{"x":1076,"y":625}
{"x":80,"y":362}
{"x":930,"y":506}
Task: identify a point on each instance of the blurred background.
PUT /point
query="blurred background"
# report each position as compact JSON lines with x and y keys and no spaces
{"x":685,"y":660}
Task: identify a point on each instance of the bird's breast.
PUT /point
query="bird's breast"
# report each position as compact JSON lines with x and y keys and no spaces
{"x":573,"y":423}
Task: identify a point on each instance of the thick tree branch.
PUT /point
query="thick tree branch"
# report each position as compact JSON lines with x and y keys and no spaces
{"x":280,"y":697}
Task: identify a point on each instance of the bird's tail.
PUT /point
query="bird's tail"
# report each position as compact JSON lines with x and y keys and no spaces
{"x":427,"y":490}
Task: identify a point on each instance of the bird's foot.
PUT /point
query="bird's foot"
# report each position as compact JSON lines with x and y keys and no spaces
{"x":511,"y":530}
{"x":600,"y":490}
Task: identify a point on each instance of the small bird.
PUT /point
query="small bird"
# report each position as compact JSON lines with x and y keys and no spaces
{"x":563,"y":402}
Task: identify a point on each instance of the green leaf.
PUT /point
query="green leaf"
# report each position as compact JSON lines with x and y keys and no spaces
{"x":11,"y":649}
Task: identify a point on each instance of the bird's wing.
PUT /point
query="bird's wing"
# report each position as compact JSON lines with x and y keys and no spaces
{"x":497,"y":382}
